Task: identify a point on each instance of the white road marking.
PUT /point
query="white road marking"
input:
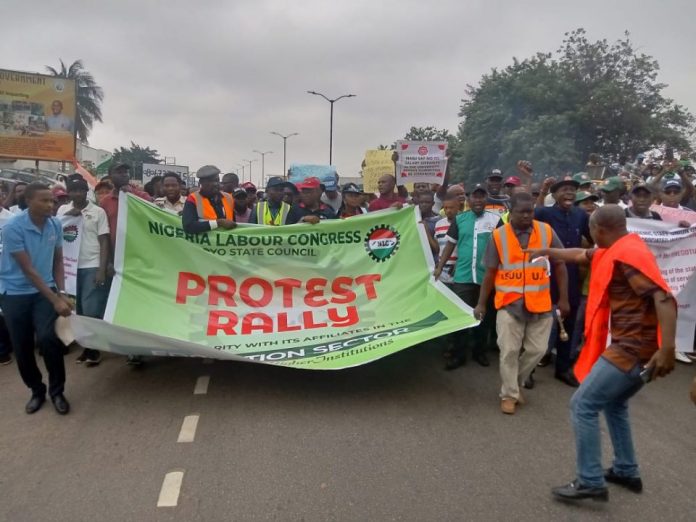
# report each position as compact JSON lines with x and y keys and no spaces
{"x":202,"y":383}
{"x":171,"y":486}
{"x":188,"y":429}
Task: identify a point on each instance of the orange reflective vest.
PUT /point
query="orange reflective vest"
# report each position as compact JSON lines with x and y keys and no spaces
{"x":205,"y":209}
{"x":631,"y":250}
{"x":517,"y":277}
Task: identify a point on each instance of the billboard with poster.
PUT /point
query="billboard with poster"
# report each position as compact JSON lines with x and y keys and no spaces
{"x":150,"y":170}
{"x":37,"y":116}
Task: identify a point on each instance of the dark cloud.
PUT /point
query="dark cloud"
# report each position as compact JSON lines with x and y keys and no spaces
{"x":207,"y":81}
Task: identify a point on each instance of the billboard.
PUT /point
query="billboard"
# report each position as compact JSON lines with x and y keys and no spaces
{"x":150,"y":170}
{"x":37,"y":116}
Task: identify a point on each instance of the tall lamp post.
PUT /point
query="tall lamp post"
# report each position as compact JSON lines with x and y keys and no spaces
{"x":331,"y":101}
{"x":241,"y":165}
{"x":263,"y":163}
{"x":285,"y":149}
{"x":249,"y":162}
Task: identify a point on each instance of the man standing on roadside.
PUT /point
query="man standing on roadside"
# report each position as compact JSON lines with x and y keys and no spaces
{"x":469,"y":233}
{"x":274,"y":211}
{"x":209,"y":208}
{"x":629,"y":299}
{"x":92,"y":288}
{"x":522,"y":295}
{"x":33,"y":294}
{"x":387,"y":197}
{"x":172,"y":201}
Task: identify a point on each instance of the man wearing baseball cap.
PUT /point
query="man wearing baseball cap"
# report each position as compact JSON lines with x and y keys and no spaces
{"x":584,"y":182}
{"x":497,"y":202}
{"x":92,"y":280}
{"x":209,"y":208}
{"x":611,"y":191}
{"x":641,"y":198}
{"x":274,"y":211}
{"x":331,"y":197}
{"x":310,"y":209}
{"x":570,"y":224}
{"x":510,"y":183}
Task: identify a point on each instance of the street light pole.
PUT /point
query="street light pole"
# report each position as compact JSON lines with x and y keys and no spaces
{"x":241,"y":165}
{"x":331,"y":101}
{"x":285,"y":149}
{"x":249,"y":162}
{"x":263,"y":164}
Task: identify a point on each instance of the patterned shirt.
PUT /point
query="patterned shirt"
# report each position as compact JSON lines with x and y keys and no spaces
{"x":440,"y":235}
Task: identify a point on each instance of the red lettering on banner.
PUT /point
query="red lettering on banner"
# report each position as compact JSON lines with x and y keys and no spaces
{"x":222,"y":320}
{"x":314,"y":291}
{"x":287,"y":285}
{"x":368,"y":281}
{"x":266,"y":297}
{"x":265,"y":325}
{"x":183,"y":290}
{"x":350,"y":318}
{"x":221,"y":287}
{"x":308,"y":318}
{"x":342,"y":291}
{"x":283,"y":325}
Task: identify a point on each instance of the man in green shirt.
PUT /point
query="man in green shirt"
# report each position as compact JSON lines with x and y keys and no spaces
{"x":470,"y":233}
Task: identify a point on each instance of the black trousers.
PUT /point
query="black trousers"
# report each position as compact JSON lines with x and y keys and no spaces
{"x":28,"y":316}
{"x":477,"y":337}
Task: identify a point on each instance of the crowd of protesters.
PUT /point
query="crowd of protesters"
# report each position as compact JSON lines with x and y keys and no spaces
{"x":514,"y":250}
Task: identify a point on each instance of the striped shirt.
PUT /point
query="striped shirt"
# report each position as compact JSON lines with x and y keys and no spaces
{"x":441,"y":228}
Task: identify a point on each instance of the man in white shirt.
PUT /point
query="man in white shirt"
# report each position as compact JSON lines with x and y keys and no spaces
{"x":92,"y":284}
{"x":172,"y":201}
{"x":58,"y":122}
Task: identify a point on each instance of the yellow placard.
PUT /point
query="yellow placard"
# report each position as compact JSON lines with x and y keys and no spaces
{"x":37,"y":116}
{"x":377,"y":164}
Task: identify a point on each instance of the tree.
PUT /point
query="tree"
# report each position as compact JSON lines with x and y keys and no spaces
{"x":556,"y":109}
{"x":135,"y":156}
{"x":89,"y":96}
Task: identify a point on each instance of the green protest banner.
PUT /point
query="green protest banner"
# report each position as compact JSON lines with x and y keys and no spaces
{"x":328,"y":296}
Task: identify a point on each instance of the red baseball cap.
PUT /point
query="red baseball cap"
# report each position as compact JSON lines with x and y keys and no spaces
{"x":513,"y":180}
{"x":248,"y":186}
{"x":309,"y":183}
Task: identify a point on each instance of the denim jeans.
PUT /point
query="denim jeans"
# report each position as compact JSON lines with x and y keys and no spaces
{"x":28,"y":315}
{"x":606,"y":389}
{"x":91,"y":299}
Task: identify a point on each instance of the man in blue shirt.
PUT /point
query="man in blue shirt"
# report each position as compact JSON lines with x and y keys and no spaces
{"x":32,"y":294}
{"x":570,"y":224}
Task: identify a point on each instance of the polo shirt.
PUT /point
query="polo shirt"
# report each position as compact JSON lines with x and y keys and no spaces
{"x":570,"y":226}
{"x":94,"y":224}
{"x":22,"y":235}
{"x":385,"y":202}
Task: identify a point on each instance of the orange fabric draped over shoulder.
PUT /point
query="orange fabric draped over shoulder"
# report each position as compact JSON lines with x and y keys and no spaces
{"x":630,"y":250}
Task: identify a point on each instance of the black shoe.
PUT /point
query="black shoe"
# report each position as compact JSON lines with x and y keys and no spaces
{"x":34,"y":404}
{"x":93,"y":358}
{"x":545,"y":360}
{"x":634,"y":484}
{"x":5,"y":359}
{"x":134,"y":360}
{"x":529,"y":382}
{"x":454,"y":361}
{"x":576,"y":491}
{"x":82,"y":357}
{"x":61,"y":404}
{"x":568,"y":378}
{"x":481,"y":359}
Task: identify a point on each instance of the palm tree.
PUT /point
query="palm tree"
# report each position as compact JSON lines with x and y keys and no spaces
{"x":89,"y":96}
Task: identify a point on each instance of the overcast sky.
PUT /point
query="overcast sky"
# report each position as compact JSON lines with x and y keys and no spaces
{"x":207,"y":81}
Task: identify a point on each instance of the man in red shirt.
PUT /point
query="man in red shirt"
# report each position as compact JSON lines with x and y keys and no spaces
{"x":387,"y":197}
{"x":118,"y":172}
{"x":120,"y":178}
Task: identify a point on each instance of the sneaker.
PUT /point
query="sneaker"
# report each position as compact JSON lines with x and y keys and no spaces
{"x":93,"y":358}
{"x":682,"y":358}
{"x":576,"y":491}
{"x":507,"y":406}
{"x":82,"y":357}
{"x":134,"y":360}
{"x":5,"y":359}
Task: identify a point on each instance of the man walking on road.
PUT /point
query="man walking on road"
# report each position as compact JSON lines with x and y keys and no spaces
{"x":33,"y":294}
{"x":522,"y":295}
{"x":629,"y":299}
{"x":209,"y":208}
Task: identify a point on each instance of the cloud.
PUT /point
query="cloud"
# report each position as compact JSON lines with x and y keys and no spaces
{"x":206,"y":82}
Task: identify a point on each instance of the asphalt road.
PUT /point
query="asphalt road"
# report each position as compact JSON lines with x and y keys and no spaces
{"x":399,"y":439}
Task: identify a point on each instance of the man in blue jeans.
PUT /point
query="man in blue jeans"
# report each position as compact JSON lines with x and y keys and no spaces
{"x":92,"y":283}
{"x":628,"y":293}
{"x":32,"y":294}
